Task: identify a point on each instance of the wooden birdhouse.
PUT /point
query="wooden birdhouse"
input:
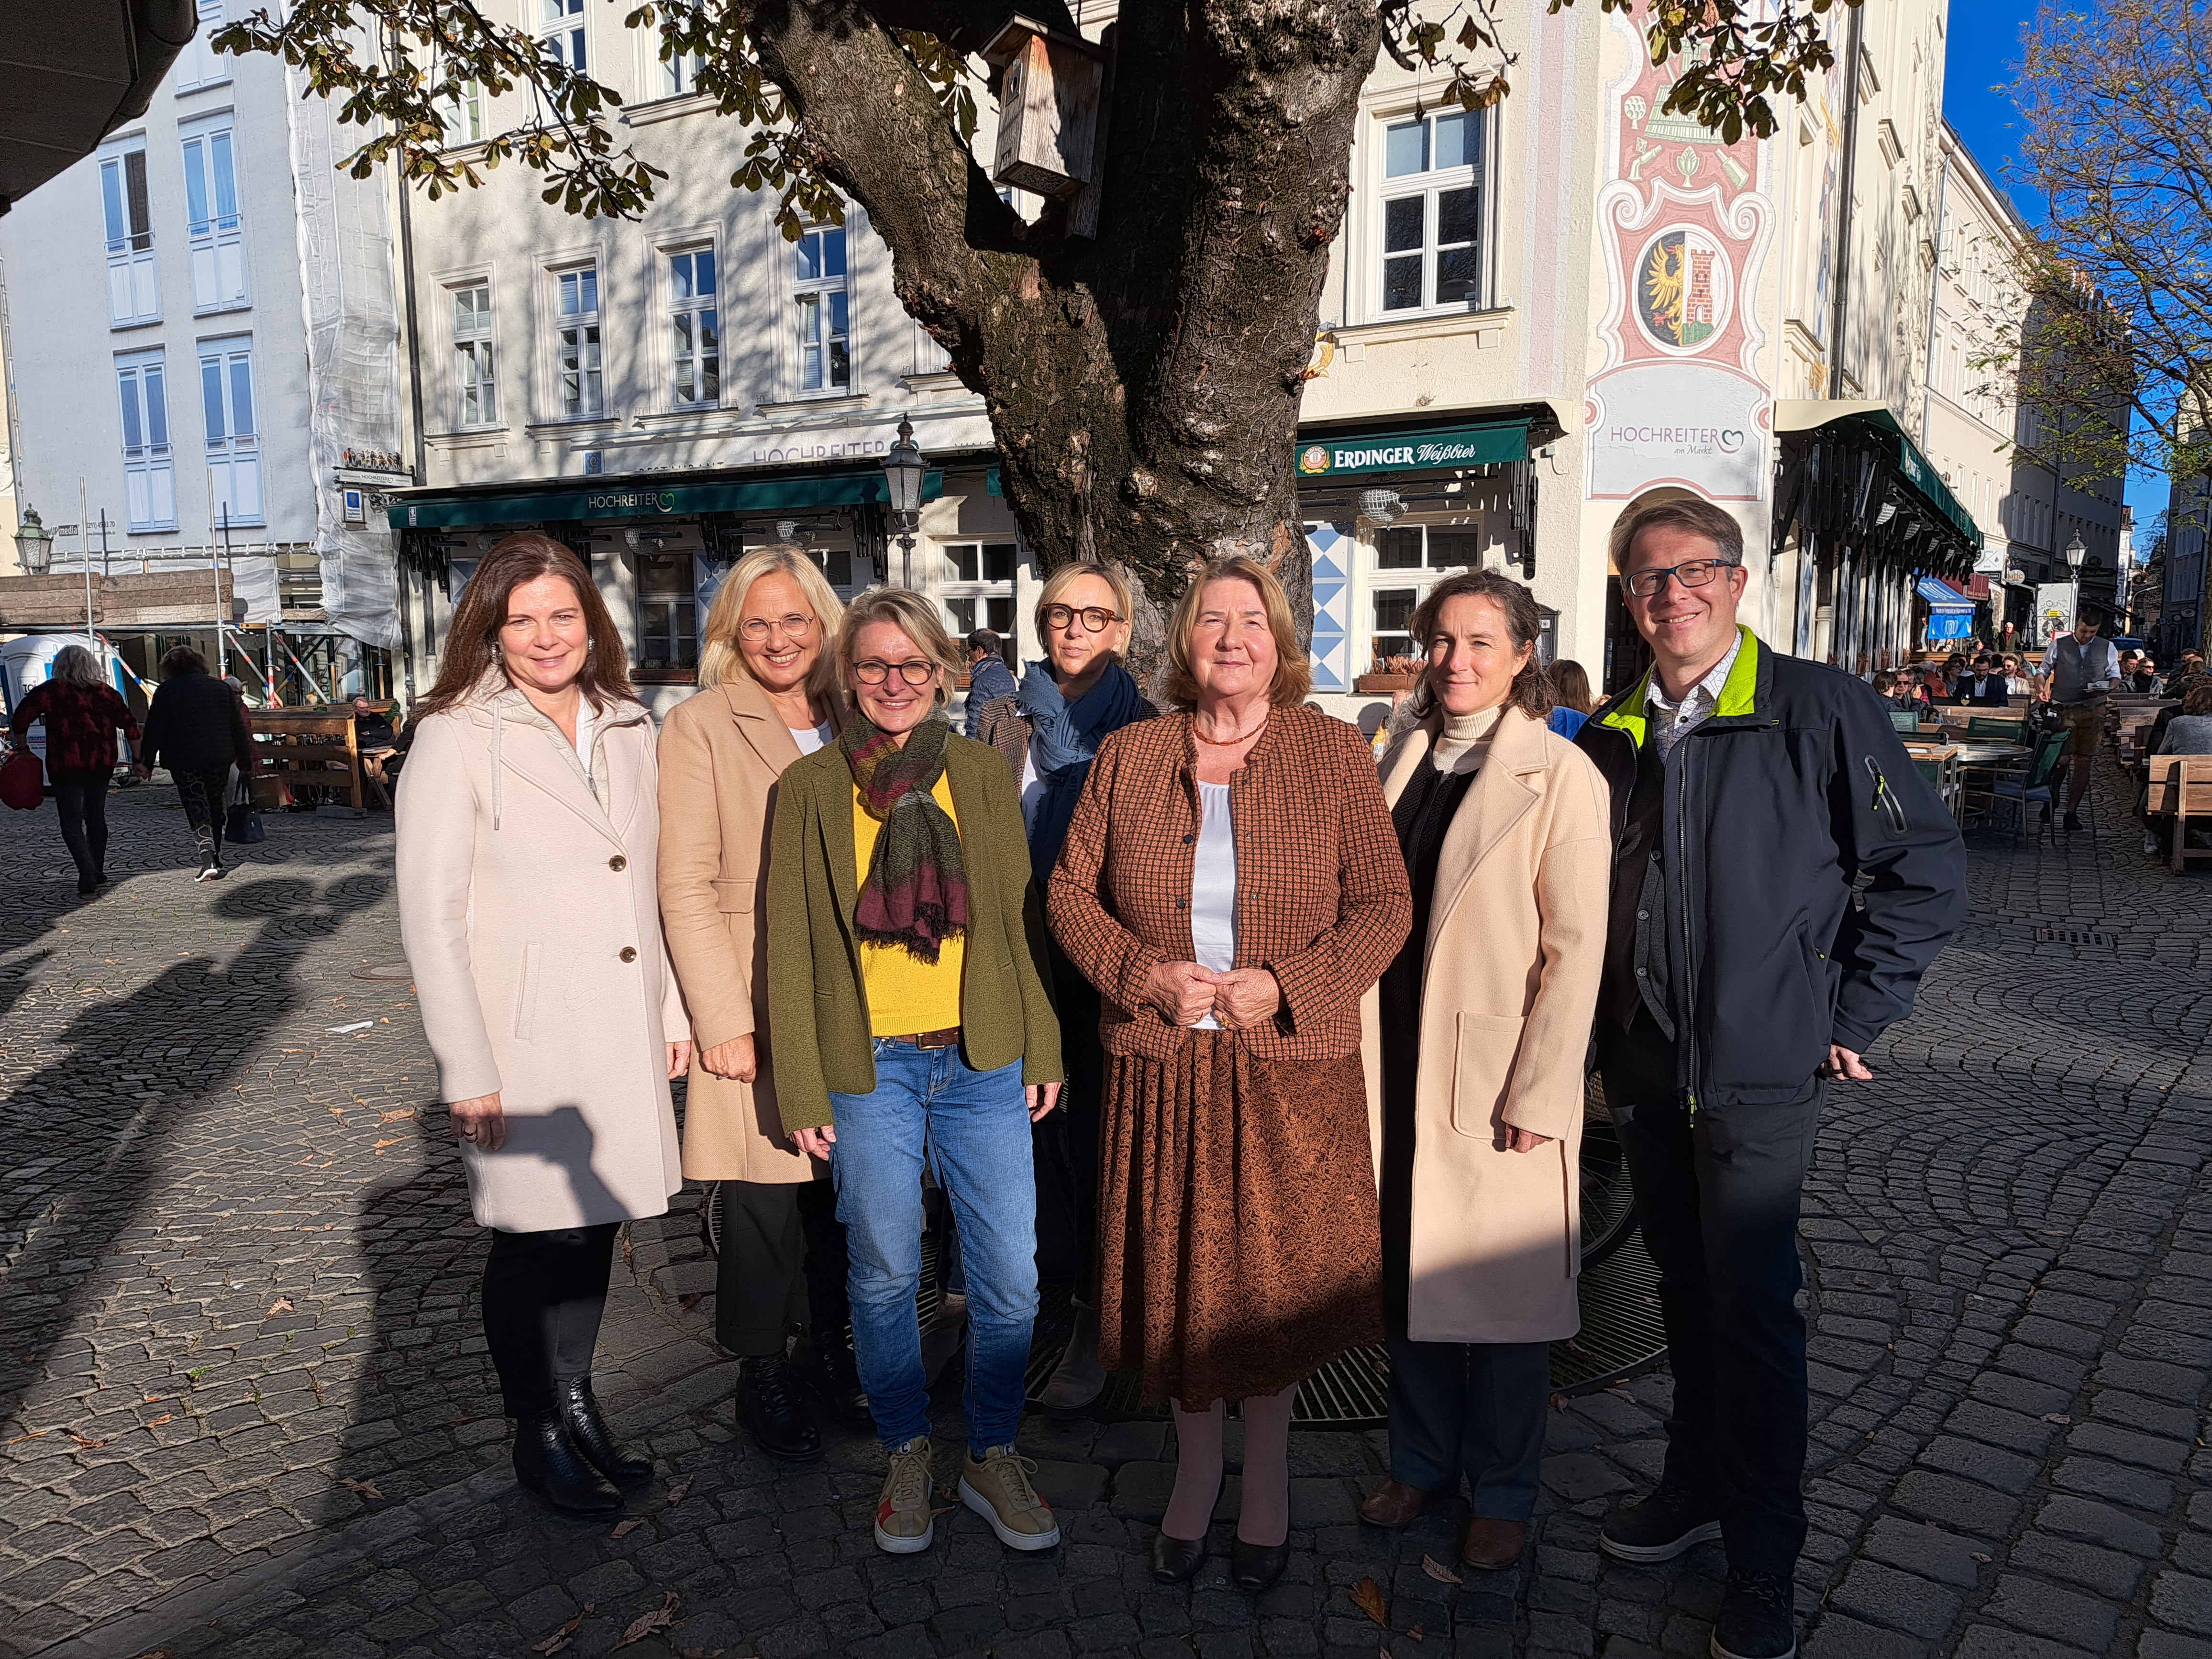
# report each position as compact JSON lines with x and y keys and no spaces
{"x":1049,"y":93}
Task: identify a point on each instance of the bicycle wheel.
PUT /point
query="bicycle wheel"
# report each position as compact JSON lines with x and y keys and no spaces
{"x":1608,"y":1201}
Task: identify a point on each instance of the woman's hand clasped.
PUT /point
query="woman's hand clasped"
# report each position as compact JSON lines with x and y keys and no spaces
{"x":734,"y":1059}
{"x":1182,"y":991}
{"x":1240,"y":998}
{"x":480,"y":1122}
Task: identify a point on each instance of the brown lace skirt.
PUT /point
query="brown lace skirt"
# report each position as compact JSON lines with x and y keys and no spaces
{"x":1237,"y":1240}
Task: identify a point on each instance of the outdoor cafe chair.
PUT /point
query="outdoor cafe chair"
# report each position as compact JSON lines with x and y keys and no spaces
{"x":2029,"y":784}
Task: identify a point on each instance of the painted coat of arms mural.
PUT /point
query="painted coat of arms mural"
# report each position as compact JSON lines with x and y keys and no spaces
{"x":1683,"y":224}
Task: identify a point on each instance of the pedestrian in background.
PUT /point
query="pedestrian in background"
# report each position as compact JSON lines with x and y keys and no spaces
{"x":1049,"y":731}
{"x":1231,"y":886}
{"x":2079,"y":670}
{"x":197,"y":728}
{"x":82,"y":713}
{"x":911,"y":1026}
{"x":529,"y":823}
{"x":988,"y":678}
{"x":1572,"y":701}
{"x":1783,"y":877}
{"x":1481,"y":1026}
{"x":768,"y":693}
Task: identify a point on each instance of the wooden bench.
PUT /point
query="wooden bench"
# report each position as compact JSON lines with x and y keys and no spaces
{"x":2181,"y":788}
{"x":312,"y":745}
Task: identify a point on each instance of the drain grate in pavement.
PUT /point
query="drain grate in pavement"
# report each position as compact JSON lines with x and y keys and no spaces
{"x":2075,"y":936}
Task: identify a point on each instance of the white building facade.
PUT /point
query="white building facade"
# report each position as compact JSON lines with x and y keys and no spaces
{"x":204,"y":366}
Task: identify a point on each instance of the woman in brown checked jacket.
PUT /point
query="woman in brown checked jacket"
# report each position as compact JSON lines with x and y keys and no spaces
{"x":1232,"y":886}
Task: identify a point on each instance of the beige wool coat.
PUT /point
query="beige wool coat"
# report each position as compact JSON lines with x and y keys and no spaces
{"x":1515,"y":942}
{"x":721,"y":753}
{"x":531,"y":921}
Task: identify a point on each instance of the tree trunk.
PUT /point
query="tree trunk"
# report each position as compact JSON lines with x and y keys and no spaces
{"x":1143,"y":386}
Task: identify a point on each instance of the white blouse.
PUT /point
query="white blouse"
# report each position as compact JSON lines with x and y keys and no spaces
{"x":1213,"y":888}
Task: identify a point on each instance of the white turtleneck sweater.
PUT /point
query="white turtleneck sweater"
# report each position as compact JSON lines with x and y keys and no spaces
{"x":1464,"y":743}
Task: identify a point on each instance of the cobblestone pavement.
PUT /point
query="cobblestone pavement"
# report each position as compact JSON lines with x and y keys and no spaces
{"x":247,"y":1411}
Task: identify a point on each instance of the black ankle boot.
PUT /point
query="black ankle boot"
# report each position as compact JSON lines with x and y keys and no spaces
{"x":588,"y":1429}
{"x":836,"y":1382}
{"x":769,"y":1409}
{"x":546,"y":1462}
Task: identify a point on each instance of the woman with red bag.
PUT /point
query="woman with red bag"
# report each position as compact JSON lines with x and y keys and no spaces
{"x":82,"y":713}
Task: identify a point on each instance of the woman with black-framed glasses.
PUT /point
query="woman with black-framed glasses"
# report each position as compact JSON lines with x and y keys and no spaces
{"x":1048,"y":730}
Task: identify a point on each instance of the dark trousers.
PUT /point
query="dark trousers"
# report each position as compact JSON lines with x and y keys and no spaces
{"x":543,"y":1296}
{"x":204,"y":797}
{"x":1717,"y":1192}
{"x":1476,"y":1408}
{"x":782,"y":1264}
{"x":1068,"y":1140}
{"x":83,"y":804}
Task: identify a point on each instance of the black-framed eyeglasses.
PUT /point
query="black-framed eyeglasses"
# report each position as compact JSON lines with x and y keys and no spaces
{"x":1696,"y":573}
{"x":916,"y":670}
{"x":794,"y":627}
{"x":1096,"y":618}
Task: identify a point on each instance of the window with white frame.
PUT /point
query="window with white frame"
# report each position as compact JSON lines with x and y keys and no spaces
{"x":215,"y":226}
{"x":818,"y":285}
{"x":464,"y":114}
{"x":1408,"y":560}
{"x":133,"y":295}
{"x":580,"y":386}
{"x":199,"y":65}
{"x":234,"y":437}
{"x":977,"y":590}
{"x":561,"y":31}
{"x":476,"y":382}
{"x":1432,"y":211}
{"x":679,"y":74}
{"x":149,"y":471}
{"x":694,"y":332}
{"x":667,"y":613}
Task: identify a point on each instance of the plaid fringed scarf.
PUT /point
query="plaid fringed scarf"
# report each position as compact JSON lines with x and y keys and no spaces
{"x":916,"y":890}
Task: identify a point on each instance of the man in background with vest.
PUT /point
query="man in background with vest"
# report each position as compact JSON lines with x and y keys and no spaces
{"x":1752,"y":792}
{"x":2079,"y":670}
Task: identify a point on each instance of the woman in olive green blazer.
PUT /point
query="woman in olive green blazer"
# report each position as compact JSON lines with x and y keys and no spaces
{"x":928,"y":1038}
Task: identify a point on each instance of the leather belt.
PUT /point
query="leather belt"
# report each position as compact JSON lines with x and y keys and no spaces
{"x":947,"y":1038}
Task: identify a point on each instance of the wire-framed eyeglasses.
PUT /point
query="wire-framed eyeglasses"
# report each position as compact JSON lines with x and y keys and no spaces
{"x":1097,"y":619}
{"x":794,"y":627}
{"x":916,"y":670}
{"x":1696,"y":573}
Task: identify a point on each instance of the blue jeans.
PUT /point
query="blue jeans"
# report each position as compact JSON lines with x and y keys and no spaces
{"x":973,"y":1128}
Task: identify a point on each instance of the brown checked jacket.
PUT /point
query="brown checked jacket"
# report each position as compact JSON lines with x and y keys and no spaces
{"x":1321,"y":899}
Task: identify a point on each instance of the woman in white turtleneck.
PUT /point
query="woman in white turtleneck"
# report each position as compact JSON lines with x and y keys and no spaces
{"x":1481,"y":1027}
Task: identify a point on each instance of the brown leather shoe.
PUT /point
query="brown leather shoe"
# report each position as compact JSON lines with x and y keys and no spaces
{"x":1392,"y":1505}
{"x":1493,"y":1546}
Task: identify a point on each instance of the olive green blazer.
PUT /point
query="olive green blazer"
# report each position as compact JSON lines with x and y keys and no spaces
{"x":819,"y":1036}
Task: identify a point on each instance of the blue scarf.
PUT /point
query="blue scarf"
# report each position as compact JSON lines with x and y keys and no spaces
{"x":1064,"y":739}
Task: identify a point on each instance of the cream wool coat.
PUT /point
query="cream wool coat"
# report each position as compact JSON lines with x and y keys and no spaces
{"x":721,"y":753}
{"x":1515,"y":943}
{"x":532,"y":920}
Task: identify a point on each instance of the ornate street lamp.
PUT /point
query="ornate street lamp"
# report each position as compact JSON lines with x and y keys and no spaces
{"x":34,"y":546}
{"x":904,"y":468}
{"x":2075,"y":554}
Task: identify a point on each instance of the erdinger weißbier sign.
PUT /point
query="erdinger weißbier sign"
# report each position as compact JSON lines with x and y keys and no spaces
{"x":1412,"y":451}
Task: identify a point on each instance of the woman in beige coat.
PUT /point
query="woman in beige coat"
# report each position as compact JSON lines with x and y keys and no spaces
{"x":768,"y":693}
{"x":1476,"y":1036}
{"x":529,"y":823}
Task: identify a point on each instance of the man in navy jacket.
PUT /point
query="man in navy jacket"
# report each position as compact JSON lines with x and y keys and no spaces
{"x":1782,"y":876}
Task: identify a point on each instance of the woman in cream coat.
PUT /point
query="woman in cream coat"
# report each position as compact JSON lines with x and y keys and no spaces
{"x":1476,"y":1038}
{"x":768,"y":693}
{"x":528,"y":825}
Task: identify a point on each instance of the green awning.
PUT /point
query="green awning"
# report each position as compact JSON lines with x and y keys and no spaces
{"x":1803,"y":414}
{"x":1436,"y":450}
{"x":641,"y":498}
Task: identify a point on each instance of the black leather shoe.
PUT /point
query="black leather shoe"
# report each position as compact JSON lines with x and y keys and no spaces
{"x":588,"y":1429}
{"x":1756,"y":1619}
{"x":836,"y":1379}
{"x":547,"y":1461}
{"x":1659,"y":1527}
{"x":1256,"y":1566}
{"x":769,"y":1410}
{"x":1176,"y":1560}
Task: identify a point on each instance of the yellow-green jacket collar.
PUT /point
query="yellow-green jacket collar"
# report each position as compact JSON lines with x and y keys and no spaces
{"x":1739,"y":692}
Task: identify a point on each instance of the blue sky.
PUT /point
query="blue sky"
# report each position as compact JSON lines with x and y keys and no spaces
{"x":1983,"y":38}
